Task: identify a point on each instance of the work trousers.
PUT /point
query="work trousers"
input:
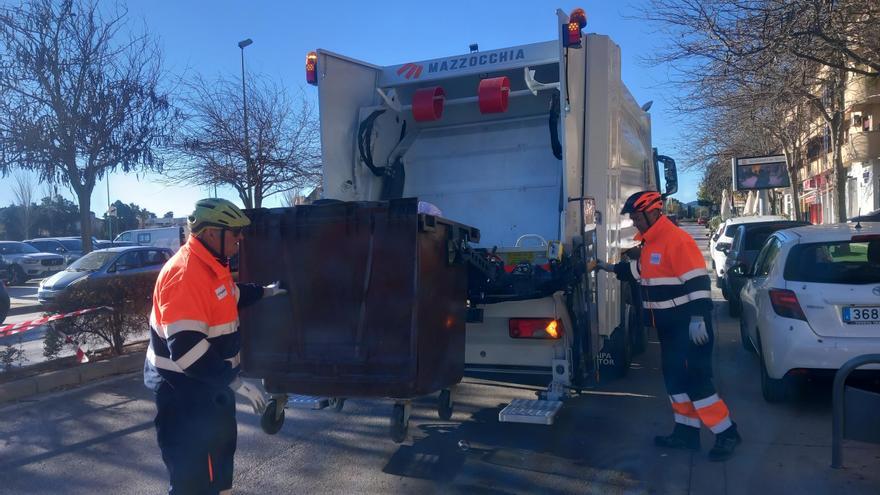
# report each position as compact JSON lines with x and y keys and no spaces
{"x":687,"y":372}
{"x":197,"y":435}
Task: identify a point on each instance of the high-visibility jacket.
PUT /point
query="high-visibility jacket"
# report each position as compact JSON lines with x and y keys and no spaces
{"x":194,"y":336}
{"x":672,"y":276}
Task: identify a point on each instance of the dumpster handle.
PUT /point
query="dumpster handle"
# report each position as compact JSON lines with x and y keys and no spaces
{"x":363,"y":312}
{"x":838,"y":405}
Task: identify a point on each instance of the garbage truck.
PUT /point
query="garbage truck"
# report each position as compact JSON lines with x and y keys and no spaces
{"x":537,"y":146}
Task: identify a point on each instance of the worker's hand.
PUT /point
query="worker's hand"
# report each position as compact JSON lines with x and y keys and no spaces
{"x":697,"y":329}
{"x":600,"y":265}
{"x":252,"y":393}
{"x":274,"y":289}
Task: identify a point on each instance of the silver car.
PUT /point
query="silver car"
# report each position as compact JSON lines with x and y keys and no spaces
{"x":25,"y":262}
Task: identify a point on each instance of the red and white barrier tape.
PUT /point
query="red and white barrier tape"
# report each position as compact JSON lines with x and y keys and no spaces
{"x":24,"y":326}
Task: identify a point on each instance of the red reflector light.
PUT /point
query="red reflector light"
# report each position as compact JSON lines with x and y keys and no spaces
{"x":865,"y":238}
{"x":785,"y":304}
{"x":578,"y":16}
{"x":572,"y":35}
{"x":312,"y":68}
{"x":534,"y":328}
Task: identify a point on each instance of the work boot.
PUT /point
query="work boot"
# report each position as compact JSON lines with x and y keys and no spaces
{"x":725,"y":443}
{"x":683,"y":437}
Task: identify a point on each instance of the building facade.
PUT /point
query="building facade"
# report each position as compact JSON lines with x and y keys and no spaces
{"x":861,"y":157}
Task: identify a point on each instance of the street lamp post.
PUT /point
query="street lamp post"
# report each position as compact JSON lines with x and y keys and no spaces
{"x":247,"y":143}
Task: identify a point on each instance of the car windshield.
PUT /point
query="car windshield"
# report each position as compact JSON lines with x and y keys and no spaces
{"x":730,"y":230}
{"x":71,"y":244}
{"x":17,"y":248}
{"x":757,"y":236}
{"x":839,"y":262}
{"x":92,"y":261}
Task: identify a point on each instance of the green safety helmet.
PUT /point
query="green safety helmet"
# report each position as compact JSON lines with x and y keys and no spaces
{"x":216,"y":213}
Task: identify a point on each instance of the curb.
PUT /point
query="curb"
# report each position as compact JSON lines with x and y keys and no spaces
{"x":53,"y":380}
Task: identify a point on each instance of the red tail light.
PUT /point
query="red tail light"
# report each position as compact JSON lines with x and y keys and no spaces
{"x":786,"y":305}
{"x":312,"y":68}
{"x":534,"y":328}
{"x":572,"y":36}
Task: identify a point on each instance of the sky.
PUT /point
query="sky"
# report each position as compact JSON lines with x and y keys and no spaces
{"x":200,"y":37}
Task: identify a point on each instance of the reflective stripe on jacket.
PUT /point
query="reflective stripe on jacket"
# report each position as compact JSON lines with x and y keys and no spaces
{"x":194,"y":322}
{"x":672,"y":274}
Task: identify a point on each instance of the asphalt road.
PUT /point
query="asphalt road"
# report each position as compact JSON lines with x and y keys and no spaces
{"x":100,"y":439}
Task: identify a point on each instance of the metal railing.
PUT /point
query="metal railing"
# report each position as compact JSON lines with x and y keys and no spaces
{"x":839,"y":405}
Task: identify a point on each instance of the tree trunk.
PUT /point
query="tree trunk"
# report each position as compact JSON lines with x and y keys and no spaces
{"x":84,"y":196}
{"x":794,"y":163}
{"x":840,"y":175}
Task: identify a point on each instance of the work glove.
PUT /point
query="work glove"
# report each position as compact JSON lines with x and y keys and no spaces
{"x":274,"y":289}
{"x":252,"y":393}
{"x":600,"y":265}
{"x":697,"y":329}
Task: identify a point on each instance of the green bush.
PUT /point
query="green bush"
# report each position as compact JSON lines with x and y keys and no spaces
{"x":130,"y":298}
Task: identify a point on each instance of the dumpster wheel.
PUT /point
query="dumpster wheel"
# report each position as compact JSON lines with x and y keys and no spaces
{"x":399,"y":422}
{"x":444,"y":405}
{"x":337,"y":403}
{"x":273,"y":417}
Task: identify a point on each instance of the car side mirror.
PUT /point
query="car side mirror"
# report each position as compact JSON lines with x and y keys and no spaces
{"x":723,"y":249}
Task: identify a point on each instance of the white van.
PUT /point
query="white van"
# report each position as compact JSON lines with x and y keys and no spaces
{"x":165,"y":237}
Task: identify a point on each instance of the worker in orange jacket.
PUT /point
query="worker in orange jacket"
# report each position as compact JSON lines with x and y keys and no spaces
{"x":676,"y":298}
{"x":192,"y":362}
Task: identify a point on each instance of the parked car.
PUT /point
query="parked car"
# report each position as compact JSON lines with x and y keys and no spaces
{"x":26,"y":262}
{"x":110,"y":244}
{"x":167,"y":237}
{"x":701,"y":221}
{"x":747,"y":241}
{"x":873,"y":216}
{"x":812,"y":302}
{"x":720,"y":242}
{"x":71,"y":248}
{"x":104,"y":264}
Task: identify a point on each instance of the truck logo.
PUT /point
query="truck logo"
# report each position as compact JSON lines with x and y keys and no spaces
{"x":413,"y":71}
{"x":476,"y":60}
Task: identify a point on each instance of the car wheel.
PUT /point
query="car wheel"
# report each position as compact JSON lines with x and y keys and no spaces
{"x":734,"y":307}
{"x":724,"y":293}
{"x":744,"y":336}
{"x":17,"y":276}
{"x":772,"y":389}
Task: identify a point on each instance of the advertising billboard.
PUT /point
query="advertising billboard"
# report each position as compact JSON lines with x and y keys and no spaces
{"x":760,"y":172}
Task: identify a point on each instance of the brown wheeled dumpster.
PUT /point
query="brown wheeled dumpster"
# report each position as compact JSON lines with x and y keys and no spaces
{"x":376,"y":304}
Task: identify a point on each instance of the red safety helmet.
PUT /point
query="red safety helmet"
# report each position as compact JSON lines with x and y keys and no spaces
{"x":643,"y":201}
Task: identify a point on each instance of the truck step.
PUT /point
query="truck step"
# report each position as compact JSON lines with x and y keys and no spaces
{"x":307,"y":402}
{"x":539,"y":412}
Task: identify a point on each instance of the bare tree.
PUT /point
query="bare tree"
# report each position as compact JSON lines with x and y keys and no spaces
{"x":81,"y":97}
{"x":284,"y":151}
{"x":23,"y":188}
{"x":789,"y":52}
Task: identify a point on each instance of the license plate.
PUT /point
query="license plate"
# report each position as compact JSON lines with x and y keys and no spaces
{"x":861,"y":314}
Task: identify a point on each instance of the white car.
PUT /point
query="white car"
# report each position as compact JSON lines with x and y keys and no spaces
{"x":719,"y":245}
{"x":812,"y":302}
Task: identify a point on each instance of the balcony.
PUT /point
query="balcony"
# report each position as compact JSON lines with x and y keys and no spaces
{"x":860,"y":89}
{"x":863,"y":146}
